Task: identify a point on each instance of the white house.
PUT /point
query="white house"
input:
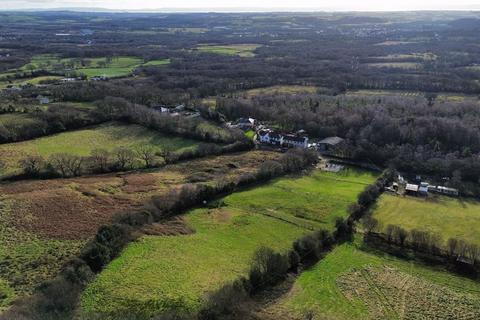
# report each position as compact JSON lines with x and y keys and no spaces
{"x":43,"y":100}
{"x":295,"y":141}
{"x":269,"y":137}
{"x":291,"y":141}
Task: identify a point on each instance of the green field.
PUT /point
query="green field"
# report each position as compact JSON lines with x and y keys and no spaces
{"x":449,"y":217}
{"x":312,"y":202}
{"x":350,"y":283}
{"x":114,"y":67}
{"x":250,"y":134}
{"x":160,"y":273}
{"x":21,"y":82}
{"x":82,"y":142}
{"x":119,"y":67}
{"x":242,"y":50}
{"x":286,"y":89}
{"x":155,"y":63}
{"x":441,"y":96}
{"x":398,"y":56}
{"x":16,"y":120}
{"x":395,"y":65}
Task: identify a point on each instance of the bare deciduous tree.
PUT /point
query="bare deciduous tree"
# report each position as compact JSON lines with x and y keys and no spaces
{"x":452,"y":245}
{"x":125,"y":158}
{"x":146,"y":154}
{"x":2,"y":166}
{"x":100,"y":160}
{"x":66,"y":164}
{"x":32,"y":165}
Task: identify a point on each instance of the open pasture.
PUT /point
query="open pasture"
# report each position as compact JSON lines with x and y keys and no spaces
{"x":154,"y":63}
{"x":6,"y":82}
{"x":109,"y":67}
{"x":286,"y":89}
{"x":16,"y":120}
{"x":395,"y":65}
{"x":82,"y":142}
{"x":374,"y":92}
{"x":242,"y":50}
{"x":441,"y":96}
{"x":173,"y":273}
{"x":313,"y":201}
{"x":449,"y":217}
{"x":427,"y":56}
{"x":350,"y":283}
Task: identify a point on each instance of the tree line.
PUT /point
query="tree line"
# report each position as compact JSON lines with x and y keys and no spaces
{"x":121,"y":158}
{"x":268,"y":268}
{"x":463,"y":255}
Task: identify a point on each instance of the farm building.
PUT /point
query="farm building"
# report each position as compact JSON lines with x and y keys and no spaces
{"x":160,"y":108}
{"x":423,"y":189}
{"x":99,"y":78}
{"x":411,"y":189}
{"x":64,"y":80}
{"x":444,"y":190}
{"x":244,"y":124}
{"x":331,"y":145}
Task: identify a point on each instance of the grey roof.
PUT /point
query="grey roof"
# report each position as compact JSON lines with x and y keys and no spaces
{"x":294,"y":138}
{"x":331,"y":140}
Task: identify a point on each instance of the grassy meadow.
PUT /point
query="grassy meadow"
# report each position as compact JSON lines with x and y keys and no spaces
{"x":286,"y":89}
{"x":16,"y":120}
{"x":350,"y":283}
{"x":155,"y":63}
{"x":441,"y":96}
{"x":115,"y":67}
{"x":173,"y":273}
{"x":311,"y":202}
{"x":81,"y":142}
{"x":449,"y":217}
{"x":242,"y":50}
{"x":396,"y":65}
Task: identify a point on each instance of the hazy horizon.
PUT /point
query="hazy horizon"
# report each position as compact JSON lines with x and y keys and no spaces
{"x":247,"y":5}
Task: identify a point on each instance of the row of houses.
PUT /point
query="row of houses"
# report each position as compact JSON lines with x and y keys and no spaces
{"x":328,"y":146}
{"x":334,"y":146}
{"x":267,"y":136}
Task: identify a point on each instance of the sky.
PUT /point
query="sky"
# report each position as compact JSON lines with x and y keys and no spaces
{"x":328,"y":5}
